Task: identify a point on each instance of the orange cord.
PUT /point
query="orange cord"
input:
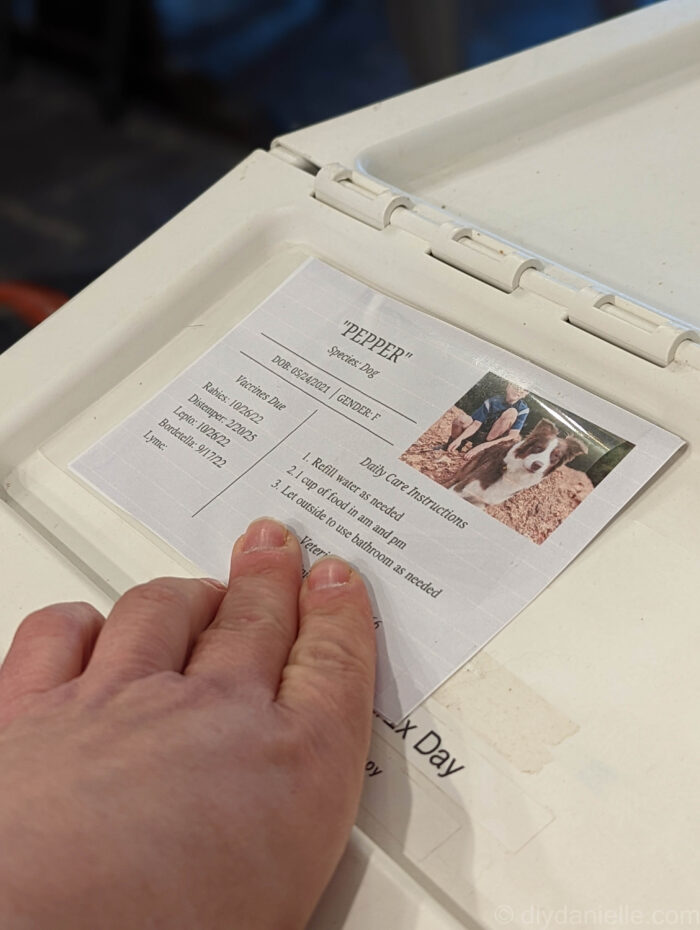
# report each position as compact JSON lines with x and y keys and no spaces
{"x":30,"y":302}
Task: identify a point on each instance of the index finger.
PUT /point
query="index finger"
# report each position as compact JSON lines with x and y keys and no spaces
{"x":247,"y":645}
{"x":332,"y":662}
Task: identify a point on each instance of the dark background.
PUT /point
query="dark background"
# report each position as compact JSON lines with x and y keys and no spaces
{"x":116,"y":113}
{"x":605,"y":450}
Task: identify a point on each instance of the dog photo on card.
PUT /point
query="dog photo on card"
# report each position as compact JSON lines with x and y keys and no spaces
{"x":523,"y":459}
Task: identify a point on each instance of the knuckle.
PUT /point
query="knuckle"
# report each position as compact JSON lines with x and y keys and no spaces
{"x":252,"y":610}
{"x":59,"y":620}
{"x":261,"y":621}
{"x":265,"y":582}
{"x":338,"y":659}
{"x":159,"y":594}
{"x":269,"y":583}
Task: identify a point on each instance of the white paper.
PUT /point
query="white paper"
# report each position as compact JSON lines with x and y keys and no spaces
{"x":303,"y":412}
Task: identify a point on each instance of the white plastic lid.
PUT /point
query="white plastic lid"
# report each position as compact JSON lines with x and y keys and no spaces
{"x":585,"y":153}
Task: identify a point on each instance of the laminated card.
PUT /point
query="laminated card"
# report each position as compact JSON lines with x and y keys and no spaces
{"x":456,"y":477}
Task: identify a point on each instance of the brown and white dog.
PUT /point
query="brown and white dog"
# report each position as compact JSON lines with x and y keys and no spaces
{"x":493,"y":474}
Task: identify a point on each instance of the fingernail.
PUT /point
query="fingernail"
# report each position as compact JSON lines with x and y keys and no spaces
{"x":264,"y":534}
{"x":328,"y":573}
{"x":215,"y":583}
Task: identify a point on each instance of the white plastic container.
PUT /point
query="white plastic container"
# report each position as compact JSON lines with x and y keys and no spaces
{"x":548,"y":204}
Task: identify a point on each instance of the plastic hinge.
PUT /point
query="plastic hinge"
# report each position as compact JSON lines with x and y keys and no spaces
{"x":499,"y":267}
{"x":628,"y":325}
{"x":356,"y":195}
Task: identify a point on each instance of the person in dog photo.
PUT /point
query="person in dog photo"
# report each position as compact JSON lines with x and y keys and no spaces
{"x":499,"y":417}
{"x":520,"y":458}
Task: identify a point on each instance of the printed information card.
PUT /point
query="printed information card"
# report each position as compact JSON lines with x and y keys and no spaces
{"x":456,"y":477}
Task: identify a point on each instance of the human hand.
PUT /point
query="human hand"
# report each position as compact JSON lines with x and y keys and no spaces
{"x":194,"y":761}
{"x":459,"y":445}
